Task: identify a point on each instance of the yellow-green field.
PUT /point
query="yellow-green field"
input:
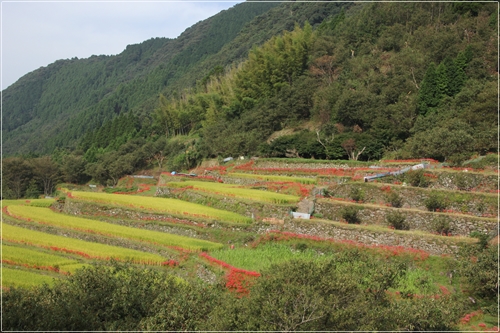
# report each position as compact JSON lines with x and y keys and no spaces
{"x":238,"y":192}
{"x":163,"y":205}
{"x":274,"y":178}
{"x":28,"y":202}
{"x":33,"y":258}
{"x":78,"y":247}
{"x":46,"y":216}
{"x":21,"y":278}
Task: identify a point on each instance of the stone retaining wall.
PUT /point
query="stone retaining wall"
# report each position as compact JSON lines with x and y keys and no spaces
{"x":436,"y":245}
{"x":419,"y":220}
{"x":414,"y":197}
{"x":312,"y":166}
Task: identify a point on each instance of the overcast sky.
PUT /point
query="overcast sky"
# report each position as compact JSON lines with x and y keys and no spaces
{"x":37,"y":33}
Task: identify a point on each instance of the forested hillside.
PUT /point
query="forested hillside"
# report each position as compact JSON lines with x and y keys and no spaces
{"x":315,"y":80}
{"x":58,"y":103}
{"x":55,"y":105}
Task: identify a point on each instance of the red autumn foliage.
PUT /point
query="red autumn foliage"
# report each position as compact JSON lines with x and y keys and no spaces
{"x":387,"y":250}
{"x":237,"y":280}
{"x":467,"y":318}
{"x":43,"y":268}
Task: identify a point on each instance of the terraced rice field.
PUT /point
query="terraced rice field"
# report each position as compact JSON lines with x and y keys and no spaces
{"x":29,"y":202}
{"x":84,"y":249}
{"x":274,"y":178}
{"x":46,"y":216}
{"x":162,"y":205}
{"x":32,"y":258}
{"x":235,"y":191}
{"x":20,"y":278}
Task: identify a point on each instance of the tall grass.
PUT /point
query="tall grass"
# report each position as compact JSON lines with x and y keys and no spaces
{"x":415,"y":281}
{"x":46,"y":216}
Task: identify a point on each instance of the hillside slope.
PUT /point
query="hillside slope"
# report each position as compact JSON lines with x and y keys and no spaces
{"x":53,"y":100}
{"x":56,"y":105}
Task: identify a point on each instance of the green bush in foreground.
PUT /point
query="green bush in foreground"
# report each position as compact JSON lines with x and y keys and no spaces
{"x":113,"y":298}
{"x":328,"y":295}
{"x":347,"y":292}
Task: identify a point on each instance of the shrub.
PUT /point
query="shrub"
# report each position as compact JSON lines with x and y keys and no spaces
{"x":394,"y":199}
{"x":462,"y":183}
{"x":436,"y":201}
{"x":482,"y":237}
{"x":416,"y":178}
{"x":457,"y":159}
{"x":350,"y":214}
{"x":357,"y":194}
{"x":397,"y":220}
{"x":441,"y":225}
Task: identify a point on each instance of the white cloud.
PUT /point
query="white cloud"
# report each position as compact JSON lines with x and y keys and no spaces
{"x":37,"y":33}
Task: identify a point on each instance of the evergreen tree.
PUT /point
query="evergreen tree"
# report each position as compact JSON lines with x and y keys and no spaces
{"x":442,"y":81}
{"x":428,"y":95}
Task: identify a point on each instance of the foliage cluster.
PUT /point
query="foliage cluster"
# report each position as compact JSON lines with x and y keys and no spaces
{"x":394,"y":199}
{"x":436,"y":201}
{"x":441,"y":225}
{"x":332,"y":294}
{"x":397,"y":220}
{"x":350,"y":214}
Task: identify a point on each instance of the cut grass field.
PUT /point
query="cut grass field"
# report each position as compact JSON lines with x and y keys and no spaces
{"x":47,"y":216}
{"x":238,"y":192}
{"x":163,"y":205}
{"x":84,"y":249}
